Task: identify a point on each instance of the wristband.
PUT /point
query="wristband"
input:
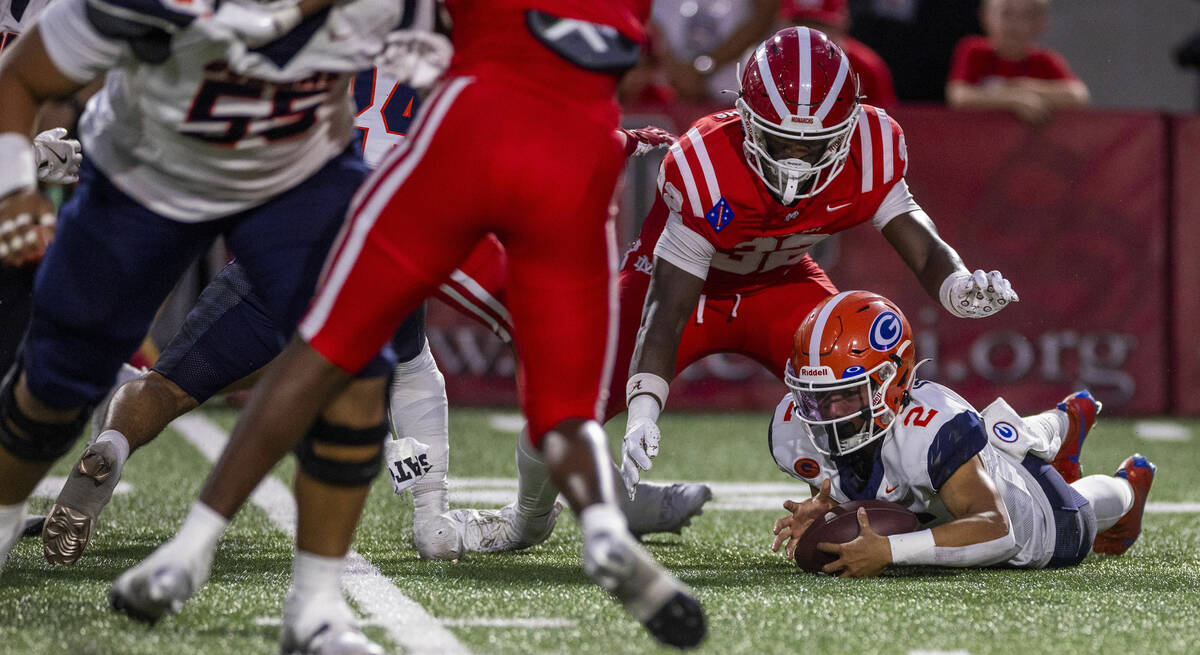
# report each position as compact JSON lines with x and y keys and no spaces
{"x":641,"y":384}
{"x":18,"y":168}
{"x":946,"y":292}
{"x":913,"y":547}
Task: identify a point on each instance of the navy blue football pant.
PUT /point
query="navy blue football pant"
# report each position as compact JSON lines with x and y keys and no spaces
{"x":114,"y":261}
{"x":1074,"y":516}
{"x":230,"y":334}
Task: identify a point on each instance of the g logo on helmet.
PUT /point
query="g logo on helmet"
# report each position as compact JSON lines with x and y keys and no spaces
{"x":886,"y":331}
{"x":1005,"y":432}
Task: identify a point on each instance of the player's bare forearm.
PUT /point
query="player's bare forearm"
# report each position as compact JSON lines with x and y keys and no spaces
{"x":672,"y":296}
{"x":915,"y":238}
{"x":27,"y":78}
{"x":960,"y":95}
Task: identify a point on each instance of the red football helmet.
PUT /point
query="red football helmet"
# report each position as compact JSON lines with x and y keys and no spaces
{"x":798,"y":104}
{"x":851,"y":369}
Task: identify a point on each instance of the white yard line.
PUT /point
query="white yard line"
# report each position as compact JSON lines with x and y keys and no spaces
{"x":406,"y":622}
{"x":1161,"y":431}
{"x":528,"y":624}
{"x":729,"y":496}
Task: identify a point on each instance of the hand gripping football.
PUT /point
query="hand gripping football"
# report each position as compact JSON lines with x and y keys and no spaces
{"x":840,"y":525}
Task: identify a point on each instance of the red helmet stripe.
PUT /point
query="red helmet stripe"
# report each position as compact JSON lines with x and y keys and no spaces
{"x":764,"y":69}
{"x":804,"y":69}
{"x":685,"y":172}
{"x":835,"y":91}
{"x":706,"y":166}
{"x":867,"y":157}
{"x":885,"y":146}
{"x":814,"y":341}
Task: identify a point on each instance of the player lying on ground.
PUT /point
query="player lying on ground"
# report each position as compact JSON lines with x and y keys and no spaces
{"x":721,"y":265}
{"x":558,"y":60}
{"x":993,"y":488}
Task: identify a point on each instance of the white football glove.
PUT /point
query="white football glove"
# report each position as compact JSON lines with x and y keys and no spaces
{"x":638,"y":450}
{"x":57,"y":158}
{"x":976,"y":295}
{"x":415,"y":57}
{"x":254,"y":24}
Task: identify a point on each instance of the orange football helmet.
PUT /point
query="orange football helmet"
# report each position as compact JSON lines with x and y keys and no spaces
{"x":851,"y":369}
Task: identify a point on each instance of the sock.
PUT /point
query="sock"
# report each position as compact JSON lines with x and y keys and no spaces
{"x":315,"y":575}
{"x":602,"y":517}
{"x":1111,"y":498}
{"x":119,"y":442}
{"x":202,"y":528}
{"x":536,"y":493}
{"x":1051,"y":427}
{"x":418,"y":409}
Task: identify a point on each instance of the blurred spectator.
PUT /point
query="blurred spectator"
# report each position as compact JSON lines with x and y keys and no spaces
{"x":702,"y":41}
{"x":915,"y":38}
{"x":1006,"y":69}
{"x":833,"y":18}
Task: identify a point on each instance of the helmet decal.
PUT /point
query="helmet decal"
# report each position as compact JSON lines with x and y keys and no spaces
{"x":853,"y":371}
{"x":886,"y":331}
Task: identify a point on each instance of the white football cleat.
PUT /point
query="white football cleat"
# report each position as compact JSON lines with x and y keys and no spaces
{"x":160,"y":584}
{"x":72,"y":521}
{"x":665,"y":507}
{"x":322,"y":625}
{"x":494,"y":531}
{"x":438,"y":538}
{"x":659,"y":601}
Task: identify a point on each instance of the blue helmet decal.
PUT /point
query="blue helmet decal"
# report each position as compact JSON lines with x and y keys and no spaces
{"x":853,"y":371}
{"x":886,"y":331}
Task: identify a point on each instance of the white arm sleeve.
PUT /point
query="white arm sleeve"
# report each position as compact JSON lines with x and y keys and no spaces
{"x":898,"y":201}
{"x":981,"y":554}
{"x":78,"y":51}
{"x":684,"y":248}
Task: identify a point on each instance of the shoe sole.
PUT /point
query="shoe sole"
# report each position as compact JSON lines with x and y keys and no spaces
{"x":65,"y":535}
{"x":119,"y":604}
{"x":680,"y":623}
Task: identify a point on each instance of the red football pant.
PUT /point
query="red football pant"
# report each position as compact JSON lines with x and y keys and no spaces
{"x":476,"y":164}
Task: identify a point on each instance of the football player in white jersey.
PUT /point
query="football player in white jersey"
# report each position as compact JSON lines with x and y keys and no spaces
{"x":183,"y":148}
{"x":990,"y":488}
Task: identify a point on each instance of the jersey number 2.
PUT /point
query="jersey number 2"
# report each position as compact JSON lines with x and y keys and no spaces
{"x":919,"y":417}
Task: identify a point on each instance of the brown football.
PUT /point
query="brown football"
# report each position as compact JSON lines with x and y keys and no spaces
{"x":840,"y":525}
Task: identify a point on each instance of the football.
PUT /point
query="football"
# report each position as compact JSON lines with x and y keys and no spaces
{"x":840,"y":525}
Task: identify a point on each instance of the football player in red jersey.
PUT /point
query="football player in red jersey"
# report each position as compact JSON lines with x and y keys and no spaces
{"x":558,"y":61}
{"x":743,"y":195}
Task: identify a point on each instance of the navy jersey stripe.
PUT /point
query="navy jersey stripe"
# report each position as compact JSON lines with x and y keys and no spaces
{"x":127,"y":18}
{"x":956,"y":442}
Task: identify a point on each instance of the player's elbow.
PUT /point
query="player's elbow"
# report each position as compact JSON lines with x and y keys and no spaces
{"x":995,"y":527}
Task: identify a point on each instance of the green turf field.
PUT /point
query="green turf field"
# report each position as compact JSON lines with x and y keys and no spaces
{"x":539,"y":601}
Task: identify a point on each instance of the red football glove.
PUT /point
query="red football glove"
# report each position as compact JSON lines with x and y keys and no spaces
{"x":642,"y":140}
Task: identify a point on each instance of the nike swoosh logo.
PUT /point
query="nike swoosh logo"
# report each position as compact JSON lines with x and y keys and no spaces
{"x":890,"y":489}
{"x":833,"y":208}
{"x":60,"y":158}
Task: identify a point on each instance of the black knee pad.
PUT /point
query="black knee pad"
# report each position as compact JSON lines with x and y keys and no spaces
{"x":28,"y":439}
{"x":336,"y":472}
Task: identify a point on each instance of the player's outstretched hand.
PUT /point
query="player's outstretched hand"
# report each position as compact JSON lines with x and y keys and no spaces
{"x":978,"y":294}
{"x":801,"y":515}
{"x":26,"y":227}
{"x":637,"y":450}
{"x":57,"y":158}
{"x":864,"y":557}
{"x":644,"y":139}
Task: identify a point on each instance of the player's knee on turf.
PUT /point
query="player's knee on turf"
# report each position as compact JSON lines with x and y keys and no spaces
{"x":341,"y":455}
{"x":29,"y":439}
